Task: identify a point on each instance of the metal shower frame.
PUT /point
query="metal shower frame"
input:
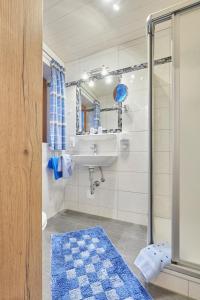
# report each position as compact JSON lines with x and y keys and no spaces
{"x":153,"y":20}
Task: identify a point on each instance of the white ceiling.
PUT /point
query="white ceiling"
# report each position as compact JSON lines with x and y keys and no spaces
{"x":77,"y":28}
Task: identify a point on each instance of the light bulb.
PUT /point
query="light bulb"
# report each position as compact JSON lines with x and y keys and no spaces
{"x":91,"y":83}
{"x":116,"y":7}
{"x":85,"y":76}
{"x":104,"y":71}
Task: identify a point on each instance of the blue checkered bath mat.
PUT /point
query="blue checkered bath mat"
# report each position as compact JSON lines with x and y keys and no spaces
{"x":86,"y":265}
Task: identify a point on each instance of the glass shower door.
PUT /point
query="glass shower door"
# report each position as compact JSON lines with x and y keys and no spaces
{"x":186,"y":158}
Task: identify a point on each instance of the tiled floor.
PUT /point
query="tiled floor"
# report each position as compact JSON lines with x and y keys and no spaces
{"x":128,"y":238}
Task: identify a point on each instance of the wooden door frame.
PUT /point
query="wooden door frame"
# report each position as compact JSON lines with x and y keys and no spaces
{"x":20,"y":149}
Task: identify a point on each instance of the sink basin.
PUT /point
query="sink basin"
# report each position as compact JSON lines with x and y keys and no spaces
{"x":98,"y":160}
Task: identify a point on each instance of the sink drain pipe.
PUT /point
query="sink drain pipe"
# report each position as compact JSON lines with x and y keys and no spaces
{"x":96,"y":183}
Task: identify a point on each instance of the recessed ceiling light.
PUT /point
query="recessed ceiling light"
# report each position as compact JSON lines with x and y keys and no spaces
{"x":91,"y":83}
{"x":133,"y":76}
{"x":116,"y":7}
{"x":85,"y":76}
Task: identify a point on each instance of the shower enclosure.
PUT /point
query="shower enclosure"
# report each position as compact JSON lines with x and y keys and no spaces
{"x":174,"y":189}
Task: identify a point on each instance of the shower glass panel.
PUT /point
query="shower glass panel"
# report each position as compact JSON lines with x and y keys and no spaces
{"x":186,"y":174}
{"x":161,"y":135}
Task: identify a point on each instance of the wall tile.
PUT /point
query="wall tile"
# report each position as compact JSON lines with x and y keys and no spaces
{"x":70,"y":98}
{"x":71,"y":197}
{"x":56,"y":198}
{"x":72,"y":180}
{"x":98,"y":211}
{"x":162,"y":75}
{"x":162,"y":207}
{"x":138,"y":141}
{"x":135,"y":121}
{"x":173,"y":283}
{"x":133,"y":161}
{"x":137,"y":100}
{"x":161,"y":118}
{"x":194,"y":290}
{"x":138,"y":82}
{"x":71,"y":193}
{"x":162,"y":230}
{"x":71,"y":205}
{"x":162,"y":96}
{"x":101,"y":198}
{"x":133,"y":202}
{"x":162,"y":162}
{"x":161,"y":140}
{"x":161,"y":184}
{"x":133,"y":182}
{"x":89,"y":209}
{"x":132,"y":217}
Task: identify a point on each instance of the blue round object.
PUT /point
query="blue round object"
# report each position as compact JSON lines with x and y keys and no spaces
{"x":120,"y":93}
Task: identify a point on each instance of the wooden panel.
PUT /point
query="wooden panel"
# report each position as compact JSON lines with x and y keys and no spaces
{"x":20,"y":149}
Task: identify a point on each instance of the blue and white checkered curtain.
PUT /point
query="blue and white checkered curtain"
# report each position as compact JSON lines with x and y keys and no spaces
{"x":57,"y":126}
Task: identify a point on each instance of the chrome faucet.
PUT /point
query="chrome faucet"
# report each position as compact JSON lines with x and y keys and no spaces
{"x":94,"y":148}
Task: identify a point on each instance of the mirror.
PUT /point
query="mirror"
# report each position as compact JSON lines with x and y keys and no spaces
{"x":96,"y":110}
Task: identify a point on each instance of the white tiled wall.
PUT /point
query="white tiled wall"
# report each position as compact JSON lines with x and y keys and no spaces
{"x":124,"y":194}
{"x":53,"y":199}
{"x":126,"y":184}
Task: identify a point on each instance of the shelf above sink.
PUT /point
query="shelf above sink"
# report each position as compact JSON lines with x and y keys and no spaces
{"x":98,"y":160}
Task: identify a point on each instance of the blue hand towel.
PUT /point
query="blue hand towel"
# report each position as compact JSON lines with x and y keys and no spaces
{"x":53,"y":164}
{"x":152,"y":260}
{"x":66,"y":165}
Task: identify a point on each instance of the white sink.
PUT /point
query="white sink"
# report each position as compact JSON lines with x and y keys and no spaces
{"x":98,"y":160}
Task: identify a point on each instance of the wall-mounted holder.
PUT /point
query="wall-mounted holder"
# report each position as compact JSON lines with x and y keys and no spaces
{"x":124,"y":144}
{"x":125,"y":108}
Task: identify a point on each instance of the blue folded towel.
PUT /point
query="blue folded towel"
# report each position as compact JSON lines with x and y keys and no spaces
{"x":66,"y":165}
{"x":152,"y":260}
{"x":54,"y":163}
